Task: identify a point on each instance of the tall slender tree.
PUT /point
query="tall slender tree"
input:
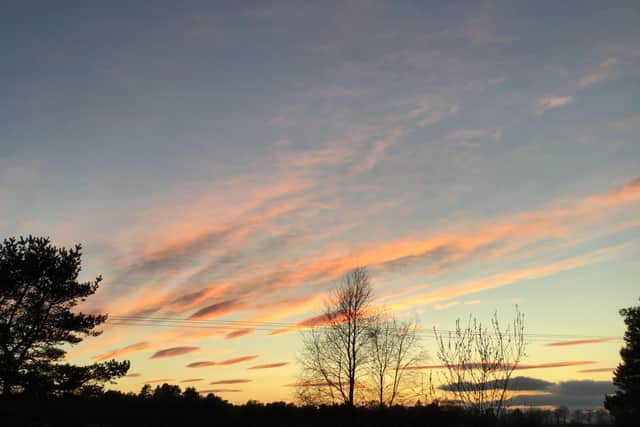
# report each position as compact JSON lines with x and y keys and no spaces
{"x":334,"y":356}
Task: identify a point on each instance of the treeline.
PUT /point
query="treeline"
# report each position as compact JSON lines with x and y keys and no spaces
{"x":168,"y":405}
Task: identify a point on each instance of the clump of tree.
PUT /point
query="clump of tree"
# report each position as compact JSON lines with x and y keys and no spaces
{"x":624,"y":405}
{"x":479,"y":361}
{"x":39,"y":289}
{"x":358,"y":353}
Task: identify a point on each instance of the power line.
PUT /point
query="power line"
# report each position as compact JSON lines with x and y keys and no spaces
{"x":265,"y":326}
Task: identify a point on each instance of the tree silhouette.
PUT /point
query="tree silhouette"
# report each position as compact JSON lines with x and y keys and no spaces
{"x":480,"y":360}
{"x":334,"y":356}
{"x":624,"y":405}
{"x":38,"y":290}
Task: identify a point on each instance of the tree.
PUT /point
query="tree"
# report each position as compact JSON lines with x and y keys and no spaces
{"x":624,"y":405}
{"x":334,"y":356}
{"x":357,"y":351}
{"x":392,"y":349}
{"x":479,"y":362}
{"x":38,"y":290}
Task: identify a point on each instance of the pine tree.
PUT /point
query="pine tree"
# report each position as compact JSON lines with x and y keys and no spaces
{"x":624,"y":405}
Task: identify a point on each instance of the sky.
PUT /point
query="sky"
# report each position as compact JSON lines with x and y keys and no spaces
{"x":227,"y":162}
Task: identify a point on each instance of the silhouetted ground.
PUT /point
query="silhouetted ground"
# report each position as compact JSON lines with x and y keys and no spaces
{"x":168,"y":407}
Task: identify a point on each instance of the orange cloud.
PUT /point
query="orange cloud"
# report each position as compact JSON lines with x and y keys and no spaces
{"x":220,"y":390}
{"x":239,"y":381}
{"x":222,"y":363}
{"x":192,"y":380}
{"x":239,"y":333}
{"x":239,"y":291}
{"x":579,"y":342}
{"x":173,"y":351}
{"x":124,"y":350}
{"x":269,"y":365}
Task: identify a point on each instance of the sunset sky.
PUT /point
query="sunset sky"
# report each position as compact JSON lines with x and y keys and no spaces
{"x":226,"y":162}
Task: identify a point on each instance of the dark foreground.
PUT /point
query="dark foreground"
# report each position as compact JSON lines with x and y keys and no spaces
{"x":113,"y":408}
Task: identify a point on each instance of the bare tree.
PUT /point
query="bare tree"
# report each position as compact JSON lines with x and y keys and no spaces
{"x":479,"y":361}
{"x":392,"y":349}
{"x":334,"y":356}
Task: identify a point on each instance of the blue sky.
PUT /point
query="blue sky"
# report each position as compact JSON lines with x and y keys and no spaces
{"x":478,"y":154}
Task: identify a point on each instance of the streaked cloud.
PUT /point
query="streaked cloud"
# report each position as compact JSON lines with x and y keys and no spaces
{"x":139,"y":346}
{"x":233,"y":361}
{"x":239,"y":333}
{"x":173,"y":351}
{"x":236,"y":381}
{"x":549,"y":102}
{"x":579,"y":342}
{"x":269,"y":365}
{"x":606,"y":71}
{"x":220,"y":390}
{"x":192,"y":380}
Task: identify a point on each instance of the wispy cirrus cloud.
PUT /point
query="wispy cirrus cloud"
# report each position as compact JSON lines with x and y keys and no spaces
{"x":173,"y":351}
{"x":227,"y":362}
{"x":579,"y":342}
{"x":269,"y":365}
{"x":606,"y":71}
{"x":550,"y":102}
{"x":139,"y":346}
{"x":239,"y":333}
{"x":234,"y":381}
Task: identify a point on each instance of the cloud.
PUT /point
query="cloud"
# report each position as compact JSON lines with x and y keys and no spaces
{"x":220,"y":390}
{"x":471,"y":134}
{"x":549,"y":102}
{"x":133,"y":375}
{"x":515,"y":384}
{"x":215,"y":310}
{"x":606,"y":71}
{"x":192,"y":380}
{"x":239,"y":333}
{"x":239,"y":381}
{"x":123,"y":350}
{"x":173,"y":351}
{"x":573,"y":394}
{"x":269,"y":365}
{"x":233,"y":361}
{"x":579,"y":342}
{"x":450,"y":246}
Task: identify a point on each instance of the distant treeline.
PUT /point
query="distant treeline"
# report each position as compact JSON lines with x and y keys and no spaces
{"x":168,"y":405}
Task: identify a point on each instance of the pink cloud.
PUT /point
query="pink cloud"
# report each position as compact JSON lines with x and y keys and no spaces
{"x":269,"y":365}
{"x":123,"y":350}
{"x":173,"y":351}
{"x":223,"y":363}
{"x":579,"y":342}
{"x":237,"y":381}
